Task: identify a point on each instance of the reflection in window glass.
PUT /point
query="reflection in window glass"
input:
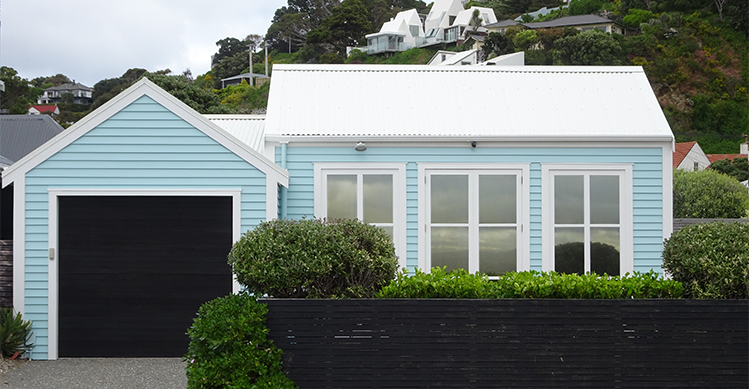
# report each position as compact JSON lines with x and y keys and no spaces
{"x":497,"y":202}
{"x":378,"y":198}
{"x":449,"y":199}
{"x":604,"y":199}
{"x":450,"y":247}
{"x":568,"y":200}
{"x":342,"y":196}
{"x":569,"y":250}
{"x":604,"y":250}
{"x":497,"y":250}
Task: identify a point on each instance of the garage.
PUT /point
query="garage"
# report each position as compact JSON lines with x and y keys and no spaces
{"x":133,"y":271}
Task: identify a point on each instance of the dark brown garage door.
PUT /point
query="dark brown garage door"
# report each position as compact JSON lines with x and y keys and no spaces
{"x":134,"y":270}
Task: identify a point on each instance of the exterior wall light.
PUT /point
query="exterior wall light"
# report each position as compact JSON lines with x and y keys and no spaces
{"x":360,"y":146}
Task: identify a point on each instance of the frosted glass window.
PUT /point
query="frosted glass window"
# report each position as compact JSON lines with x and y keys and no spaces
{"x":450,"y":247}
{"x":378,"y":198}
{"x":342,"y":196}
{"x":568,"y":199}
{"x":449,"y":199}
{"x":604,"y":199}
{"x":497,"y":199}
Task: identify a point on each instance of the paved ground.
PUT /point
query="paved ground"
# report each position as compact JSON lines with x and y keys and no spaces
{"x":99,"y":373}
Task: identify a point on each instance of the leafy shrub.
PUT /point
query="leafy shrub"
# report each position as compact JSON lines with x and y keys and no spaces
{"x":635,"y":17}
{"x":229,"y":348}
{"x":529,"y":284}
{"x":738,"y":168}
{"x":708,"y":194}
{"x":15,"y":333}
{"x":314,"y":258}
{"x":711,"y":260}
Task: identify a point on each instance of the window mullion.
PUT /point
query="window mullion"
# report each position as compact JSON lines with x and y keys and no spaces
{"x":586,"y":221}
{"x":473,"y":222}
{"x":360,"y":196}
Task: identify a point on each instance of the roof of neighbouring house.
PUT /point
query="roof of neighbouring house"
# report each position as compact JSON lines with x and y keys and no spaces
{"x":717,"y":157}
{"x":681,"y":150}
{"x":4,"y":162}
{"x":67,"y":87}
{"x":244,"y":75}
{"x":21,"y":134}
{"x":249,"y":129}
{"x":417,"y":101}
{"x":502,"y":23}
{"x":44,"y":108}
{"x":576,"y":20}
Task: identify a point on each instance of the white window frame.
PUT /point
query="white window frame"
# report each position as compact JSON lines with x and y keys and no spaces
{"x":523,"y":209}
{"x":398,"y":170}
{"x":626,"y":243}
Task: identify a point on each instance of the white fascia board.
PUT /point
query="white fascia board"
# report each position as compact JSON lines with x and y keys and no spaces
{"x":488,"y":141}
{"x":144,"y":87}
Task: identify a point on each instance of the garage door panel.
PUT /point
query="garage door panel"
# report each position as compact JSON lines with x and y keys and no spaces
{"x":133,"y":271}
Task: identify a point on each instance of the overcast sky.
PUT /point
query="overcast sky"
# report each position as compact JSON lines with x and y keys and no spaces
{"x":90,"y":40}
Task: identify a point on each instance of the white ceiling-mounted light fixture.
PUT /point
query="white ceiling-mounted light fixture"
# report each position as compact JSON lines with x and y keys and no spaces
{"x":360,"y":146}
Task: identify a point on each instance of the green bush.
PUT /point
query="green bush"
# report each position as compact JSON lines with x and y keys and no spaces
{"x":229,"y":348}
{"x":529,"y":284}
{"x":15,"y":333}
{"x":314,"y":258}
{"x":711,"y":260}
{"x":708,"y":194}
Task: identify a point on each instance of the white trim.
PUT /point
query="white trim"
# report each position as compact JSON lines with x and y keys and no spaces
{"x":19,"y":245}
{"x":522,"y":169}
{"x":398,"y":170}
{"x":53,"y":272}
{"x":626,"y":222}
{"x":668,"y":191}
{"x":144,"y":87}
{"x":374,"y":140}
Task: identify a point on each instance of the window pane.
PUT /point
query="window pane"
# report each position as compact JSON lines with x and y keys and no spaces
{"x":450,"y":247}
{"x":604,"y":251}
{"x":497,"y":250}
{"x":604,"y":199}
{"x":378,"y":198}
{"x":568,"y":200}
{"x":342,"y":196}
{"x":449,"y":199}
{"x":497,"y":203}
{"x":569,"y":250}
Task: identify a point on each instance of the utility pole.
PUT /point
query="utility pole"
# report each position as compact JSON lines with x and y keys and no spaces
{"x":249,"y":47}
{"x":266,"y":57}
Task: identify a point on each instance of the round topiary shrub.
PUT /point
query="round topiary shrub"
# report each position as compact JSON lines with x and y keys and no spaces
{"x":229,"y":348}
{"x":708,"y":194}
{"x":711,"y":260}
{"x":314,"y":258}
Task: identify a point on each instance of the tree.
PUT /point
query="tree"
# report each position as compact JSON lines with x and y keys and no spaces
{"x":17,"y":96}
{"x":708,"y":194}
{"x":201,"y":100}
{"x":592,"y":47}
{"x":346,"y":25}
{"x":738,"y":168}
{"x":719,"y":4}
{"x":497,"y":44}
{"x":227,"y":47}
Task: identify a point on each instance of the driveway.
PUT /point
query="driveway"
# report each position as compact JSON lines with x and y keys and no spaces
{"x":99,"y":373}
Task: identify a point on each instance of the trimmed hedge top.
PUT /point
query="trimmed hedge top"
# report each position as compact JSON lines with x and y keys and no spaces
{"x":529,"y":284}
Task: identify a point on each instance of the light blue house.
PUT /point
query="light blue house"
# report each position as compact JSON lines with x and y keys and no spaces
{"x":487,"y":168}
{"x":141,"y":149}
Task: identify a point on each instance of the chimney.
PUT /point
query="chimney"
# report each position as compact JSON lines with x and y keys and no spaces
{"x":744,"y":147}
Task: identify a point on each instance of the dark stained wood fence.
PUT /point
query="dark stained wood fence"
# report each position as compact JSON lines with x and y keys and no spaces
{"x":681,"y":223}
{"x":432,"y":343}
{"x":6,"y":273}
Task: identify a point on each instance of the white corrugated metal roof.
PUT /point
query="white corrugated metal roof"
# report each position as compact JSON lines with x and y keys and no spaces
{"x":503,"y":102}
{"x":249,"y":129}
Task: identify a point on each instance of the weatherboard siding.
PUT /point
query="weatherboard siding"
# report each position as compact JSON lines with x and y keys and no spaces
{"x":144,"y":146}
{"x":647,"y":180}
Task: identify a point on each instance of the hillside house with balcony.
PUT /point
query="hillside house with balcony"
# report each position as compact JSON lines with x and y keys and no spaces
{"x":53,"y":95}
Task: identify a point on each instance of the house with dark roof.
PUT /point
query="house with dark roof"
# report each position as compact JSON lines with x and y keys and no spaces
{"x":53,"y":95}
{"x":260,"y":79}
{"x":580,"y":22}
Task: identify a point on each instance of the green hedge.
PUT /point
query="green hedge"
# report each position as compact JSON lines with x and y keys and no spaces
{"x":529,"y":284}
{"x":317,"y":258}
{"x":229,"y":348}
{"x":711,"y":260}
{"x":708,"y":194}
